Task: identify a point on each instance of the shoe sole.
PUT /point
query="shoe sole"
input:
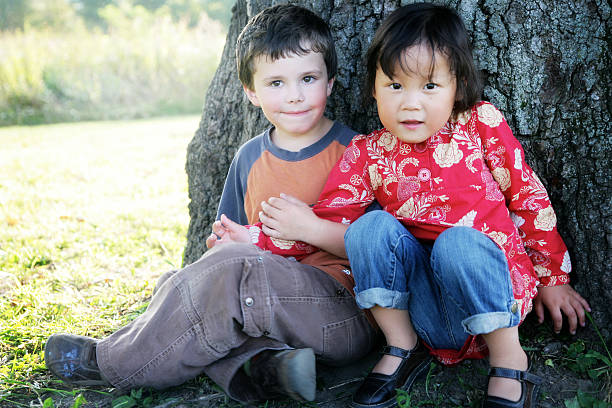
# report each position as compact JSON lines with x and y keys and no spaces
{"x":297,"y":374}
{"x":416,"y":374}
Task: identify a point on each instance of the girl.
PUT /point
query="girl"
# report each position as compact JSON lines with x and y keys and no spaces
{"x":467,"y":236}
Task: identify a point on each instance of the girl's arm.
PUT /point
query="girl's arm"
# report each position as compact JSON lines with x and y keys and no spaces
{"x":345,"y":197}
{"x":525,"y":196}
{"x":532,"y":212}
{"x":288,"y":218}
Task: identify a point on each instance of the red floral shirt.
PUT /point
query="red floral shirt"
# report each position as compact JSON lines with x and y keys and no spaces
{"x":471,"y":173}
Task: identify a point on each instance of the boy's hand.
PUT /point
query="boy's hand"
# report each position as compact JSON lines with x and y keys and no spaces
{"x":226,"y":230}
{"x":286,"y":217}
{"x":558,"y":299}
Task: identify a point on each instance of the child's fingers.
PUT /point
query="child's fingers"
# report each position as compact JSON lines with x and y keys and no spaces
{"x":269,"y":209}
{"x":267,"y":221}
{"x":557,"y":319}
{"x":270,"y":232}
{"x":293,"y":200}
{"x":583,"y":302}
{"x":539,"y":309}
{"x":211,"y":241}
{"x":572,"y":318}
{"x":580,"y":310}
{"x":229,"y":224}
{"x":218,"y":228}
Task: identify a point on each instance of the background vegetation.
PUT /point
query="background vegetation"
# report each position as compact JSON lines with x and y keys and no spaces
{"x":90,"y":215}
{"x":68,"y":60}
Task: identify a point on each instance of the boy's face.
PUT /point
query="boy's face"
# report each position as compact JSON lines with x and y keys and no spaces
{"x":292,"y":93}
{"x":414,"y":105}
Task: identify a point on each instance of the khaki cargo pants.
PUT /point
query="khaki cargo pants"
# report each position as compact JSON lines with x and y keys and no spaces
{"x":215,"y":314}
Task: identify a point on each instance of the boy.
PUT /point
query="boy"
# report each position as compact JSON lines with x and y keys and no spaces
{"x":250,"y":320}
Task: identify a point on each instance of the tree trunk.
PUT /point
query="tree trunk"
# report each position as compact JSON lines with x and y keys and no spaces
{"x":546,"y":65}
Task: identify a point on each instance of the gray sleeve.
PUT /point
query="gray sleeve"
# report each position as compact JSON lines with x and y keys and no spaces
{"x":234,"y":190}
{"x":232,"y":197}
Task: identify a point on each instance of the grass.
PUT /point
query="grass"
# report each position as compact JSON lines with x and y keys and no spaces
{"x":141,"y":67}
{"x":90,"y":215}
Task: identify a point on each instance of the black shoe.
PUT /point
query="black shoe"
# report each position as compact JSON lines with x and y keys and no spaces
{"x":530,"y":389}
{"x":72,"y":358}
{"x":379,"y":390}
{"x":290,"y":373}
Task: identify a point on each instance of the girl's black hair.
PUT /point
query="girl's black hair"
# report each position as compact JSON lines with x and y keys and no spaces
{"x":437,"y":27}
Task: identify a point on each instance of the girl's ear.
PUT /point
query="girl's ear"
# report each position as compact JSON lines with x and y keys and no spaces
{"x":252,"y":95}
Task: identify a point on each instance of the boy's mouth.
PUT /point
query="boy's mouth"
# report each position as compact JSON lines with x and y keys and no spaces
{"x":296,"y":113}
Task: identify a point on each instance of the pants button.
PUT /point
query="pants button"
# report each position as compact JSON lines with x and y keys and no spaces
{"x":249,"y":301}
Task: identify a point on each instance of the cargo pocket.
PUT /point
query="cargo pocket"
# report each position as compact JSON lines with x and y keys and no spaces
{"x":347,"y":340}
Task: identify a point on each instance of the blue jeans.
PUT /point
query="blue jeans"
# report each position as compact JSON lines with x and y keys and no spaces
{"x":456,"y":287}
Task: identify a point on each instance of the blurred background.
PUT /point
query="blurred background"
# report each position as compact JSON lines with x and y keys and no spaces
{"x":74,"y":60}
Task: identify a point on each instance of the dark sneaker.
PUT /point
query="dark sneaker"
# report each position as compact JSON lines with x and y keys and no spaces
{"x":72,"y":358}
{"x":290,"y":373}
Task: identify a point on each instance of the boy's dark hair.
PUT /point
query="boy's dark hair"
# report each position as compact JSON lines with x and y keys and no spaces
{"x":280,"y":30}
{"x":438,"y":27}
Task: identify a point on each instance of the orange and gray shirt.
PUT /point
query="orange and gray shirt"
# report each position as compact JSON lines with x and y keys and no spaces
{"x":261,"y":170}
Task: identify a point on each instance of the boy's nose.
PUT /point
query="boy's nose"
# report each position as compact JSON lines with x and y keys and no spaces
{"x":295,"y":94}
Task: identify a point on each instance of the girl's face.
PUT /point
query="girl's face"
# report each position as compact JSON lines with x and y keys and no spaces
{"x":416,"y":103}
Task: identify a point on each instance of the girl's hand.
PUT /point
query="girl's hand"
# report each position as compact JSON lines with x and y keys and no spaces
{"x":558,"y":299}
{"x":286,"y":217}
{"x":226,"y":230}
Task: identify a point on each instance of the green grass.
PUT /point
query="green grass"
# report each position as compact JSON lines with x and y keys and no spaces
{"x":141,"y":67}
{"x":90,"y":215}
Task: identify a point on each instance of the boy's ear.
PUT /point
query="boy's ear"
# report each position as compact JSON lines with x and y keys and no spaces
{"x":330,"y":85}
{"x":251,"y":95}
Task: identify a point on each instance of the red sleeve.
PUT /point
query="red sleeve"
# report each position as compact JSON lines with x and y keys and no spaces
{"x":344,"y":198}
{"x":526,"y":197}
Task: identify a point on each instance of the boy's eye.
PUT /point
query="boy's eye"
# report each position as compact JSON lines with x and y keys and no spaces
{"x":395,"y":86}
{"x":275,"y":83}
{"x":309,"y":78}
{"x":431,"y":86}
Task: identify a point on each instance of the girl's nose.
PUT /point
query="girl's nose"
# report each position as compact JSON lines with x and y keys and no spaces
{"x":410,"y":101}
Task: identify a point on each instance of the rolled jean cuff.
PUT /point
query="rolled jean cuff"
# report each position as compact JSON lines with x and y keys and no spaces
{"x":382,"y":297}
{"x":484,"y":323}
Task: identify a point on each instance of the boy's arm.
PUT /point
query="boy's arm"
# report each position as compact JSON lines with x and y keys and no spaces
{"x":532,"y":213}
{"x":288,"y":218}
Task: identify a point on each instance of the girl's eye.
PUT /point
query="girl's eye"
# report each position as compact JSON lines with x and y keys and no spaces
{"x":275,"y":83}
{"x":308,"y":79}
{"x":431,"y":86}
{"x":395,"y":86}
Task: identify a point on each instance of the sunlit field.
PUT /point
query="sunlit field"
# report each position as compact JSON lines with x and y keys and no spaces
{"x":90,"y":215}
{"x":138,"y":68}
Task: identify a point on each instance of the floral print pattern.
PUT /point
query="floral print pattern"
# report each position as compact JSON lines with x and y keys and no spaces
{"x":472,"y":173}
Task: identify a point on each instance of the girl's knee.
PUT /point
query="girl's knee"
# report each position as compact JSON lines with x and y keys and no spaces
{"x":377,"y":227}
{"x":460,"y":251}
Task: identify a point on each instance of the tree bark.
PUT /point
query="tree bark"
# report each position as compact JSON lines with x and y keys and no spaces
{"x":547,"y":67}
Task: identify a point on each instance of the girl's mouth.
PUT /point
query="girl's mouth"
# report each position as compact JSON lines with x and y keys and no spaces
{"x":411,"y":124}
